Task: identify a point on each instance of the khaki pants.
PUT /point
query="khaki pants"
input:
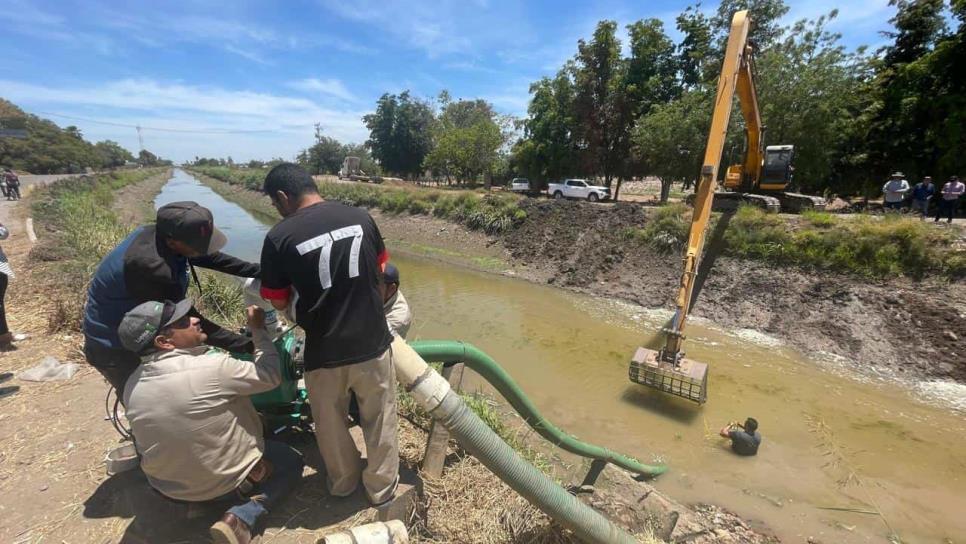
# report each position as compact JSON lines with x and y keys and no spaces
{"x":374,"y":383}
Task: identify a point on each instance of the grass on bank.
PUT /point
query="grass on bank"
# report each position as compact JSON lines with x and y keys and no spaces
{"x":492,"y":213}
{"x":873,"y":247}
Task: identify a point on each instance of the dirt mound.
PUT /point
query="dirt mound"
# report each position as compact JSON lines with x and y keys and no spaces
{"x":577,"y":240}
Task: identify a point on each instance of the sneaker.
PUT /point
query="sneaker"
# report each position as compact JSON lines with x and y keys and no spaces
{"x":231,"y":530}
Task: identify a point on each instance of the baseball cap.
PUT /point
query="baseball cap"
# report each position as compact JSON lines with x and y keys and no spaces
{"x":191,"y":223}
{"x":142,"y":324}
{"x":391,"y":274}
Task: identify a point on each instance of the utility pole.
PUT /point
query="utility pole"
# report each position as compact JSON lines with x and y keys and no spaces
{"x":140,"y":137}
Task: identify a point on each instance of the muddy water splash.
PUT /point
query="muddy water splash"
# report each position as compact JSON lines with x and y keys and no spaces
{"x":831,"y":440}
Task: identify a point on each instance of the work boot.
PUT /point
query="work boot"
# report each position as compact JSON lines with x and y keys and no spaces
{"x":6,"y":342}
{"x":231,"y":530}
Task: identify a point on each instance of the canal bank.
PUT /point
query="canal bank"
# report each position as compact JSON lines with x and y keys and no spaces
{"x":847,"y":457}
{"x":53,"y":437}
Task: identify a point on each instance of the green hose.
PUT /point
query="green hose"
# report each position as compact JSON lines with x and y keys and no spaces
{"x":447,"y":351}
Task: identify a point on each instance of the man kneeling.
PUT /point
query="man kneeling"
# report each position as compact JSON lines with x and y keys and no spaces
{"x":194,"y":426}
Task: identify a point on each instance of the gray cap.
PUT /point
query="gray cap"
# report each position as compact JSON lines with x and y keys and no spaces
{"x":141,"y":325}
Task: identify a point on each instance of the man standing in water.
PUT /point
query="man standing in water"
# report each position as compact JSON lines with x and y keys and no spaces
{"x":745,"y":439}
{"x":333,"y":256}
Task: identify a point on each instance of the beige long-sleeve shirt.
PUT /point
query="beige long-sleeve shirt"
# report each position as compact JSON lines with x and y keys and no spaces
{"x":193,"y":423}
{"x":398,"y":315}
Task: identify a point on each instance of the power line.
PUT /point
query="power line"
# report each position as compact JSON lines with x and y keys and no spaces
{"x":163,"y":129}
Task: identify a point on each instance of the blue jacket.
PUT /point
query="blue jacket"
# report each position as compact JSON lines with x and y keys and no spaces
{"x":923,"y":191}
{"x":142,"y":268}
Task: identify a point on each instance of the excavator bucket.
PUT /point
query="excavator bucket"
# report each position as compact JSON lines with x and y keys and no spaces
{"x":689,"y":379}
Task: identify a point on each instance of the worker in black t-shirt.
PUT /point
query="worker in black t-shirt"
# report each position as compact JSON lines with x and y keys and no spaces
{"x":745,"y":439}
{"x":333,"y":256}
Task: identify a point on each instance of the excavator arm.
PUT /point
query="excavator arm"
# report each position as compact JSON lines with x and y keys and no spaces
{"x":735,"y":73}
{"x":667,"y":369}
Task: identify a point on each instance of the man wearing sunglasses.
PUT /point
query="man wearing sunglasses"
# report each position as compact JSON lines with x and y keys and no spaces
{"x":194,"y":425}
{"x":155,"y":262}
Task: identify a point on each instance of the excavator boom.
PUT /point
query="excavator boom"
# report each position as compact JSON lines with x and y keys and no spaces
{"x":667,"y":369}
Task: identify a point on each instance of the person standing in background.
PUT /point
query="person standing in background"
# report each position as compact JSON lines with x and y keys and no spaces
{"x":895,"y":191}
{"x":921,"y":194}
{"x":13,"y":185}
{"x":952,"y":190}
{"x":6,"y":337}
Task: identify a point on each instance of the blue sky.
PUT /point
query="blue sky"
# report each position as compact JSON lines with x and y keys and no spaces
{"x":280,"y":67}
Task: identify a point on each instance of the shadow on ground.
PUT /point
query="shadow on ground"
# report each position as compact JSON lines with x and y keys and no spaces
{"x":155,"y":518}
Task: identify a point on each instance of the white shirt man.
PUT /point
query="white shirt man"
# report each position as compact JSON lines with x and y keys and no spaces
{"x":895,"y":191}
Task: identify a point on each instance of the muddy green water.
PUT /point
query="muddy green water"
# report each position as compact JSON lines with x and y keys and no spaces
{"x":831,"y":440}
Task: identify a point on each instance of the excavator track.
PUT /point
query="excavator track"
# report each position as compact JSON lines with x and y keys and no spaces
{"x":729,"y":201}
{"x":778,"y":202}
{"x":797,"y":202}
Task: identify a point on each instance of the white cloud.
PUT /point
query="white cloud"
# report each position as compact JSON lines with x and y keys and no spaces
{"x":438,"y":27}
{"x":329,"y":87}
{"x":286,"y":120}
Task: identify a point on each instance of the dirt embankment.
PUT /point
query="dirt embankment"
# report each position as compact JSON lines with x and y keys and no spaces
{"x":899,"y":327}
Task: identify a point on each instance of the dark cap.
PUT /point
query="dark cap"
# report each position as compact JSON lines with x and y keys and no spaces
{"x":191,"y":223}
{"x":141,"y":325}
{"x":391,"y":274}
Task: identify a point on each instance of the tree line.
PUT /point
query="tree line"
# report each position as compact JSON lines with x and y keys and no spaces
{"x":455,"y":140}
{"x":852,"y":115}
{"x":48,"y":149}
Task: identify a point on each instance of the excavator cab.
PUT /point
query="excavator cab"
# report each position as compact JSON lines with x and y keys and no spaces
{"x":777,"y":171}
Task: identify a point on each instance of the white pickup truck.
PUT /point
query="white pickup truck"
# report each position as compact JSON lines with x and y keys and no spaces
{"x":578,"y":188}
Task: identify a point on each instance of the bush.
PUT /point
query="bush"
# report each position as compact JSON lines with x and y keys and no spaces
{"x":863,"y":245}
{"x":667,"y":230}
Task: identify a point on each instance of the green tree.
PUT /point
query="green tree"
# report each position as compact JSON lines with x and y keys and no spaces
{"x":600,"y":102}
{"x":669,"y":141}
{"x":919,"y":25}
{"x":547,"y":149}
{"x":111,"y":154}
{"x":765,"y":15}
{"x":695,"y":52}
{"x":918,"y":114}
{"x":47,"y":149}
{"x":400,"y":133}
{"x":146,"y":158}
{"x":651,"y":74}
{"x":467,"y":140}
{"x":809,"y":90}
{"x":324,"y":157}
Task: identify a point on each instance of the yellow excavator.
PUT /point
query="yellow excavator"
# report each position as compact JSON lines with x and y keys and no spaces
{"x":761,"y":180}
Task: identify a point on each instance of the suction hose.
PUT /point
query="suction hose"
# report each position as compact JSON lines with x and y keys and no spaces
{"x":433,"y":393}
{"x":484,"y":365}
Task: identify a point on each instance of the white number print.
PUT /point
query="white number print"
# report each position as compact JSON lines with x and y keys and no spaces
{"x":325,"y":242}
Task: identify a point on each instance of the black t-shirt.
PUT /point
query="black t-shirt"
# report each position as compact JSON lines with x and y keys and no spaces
{"x":745,"y":443}
{"x":333,"y":255}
